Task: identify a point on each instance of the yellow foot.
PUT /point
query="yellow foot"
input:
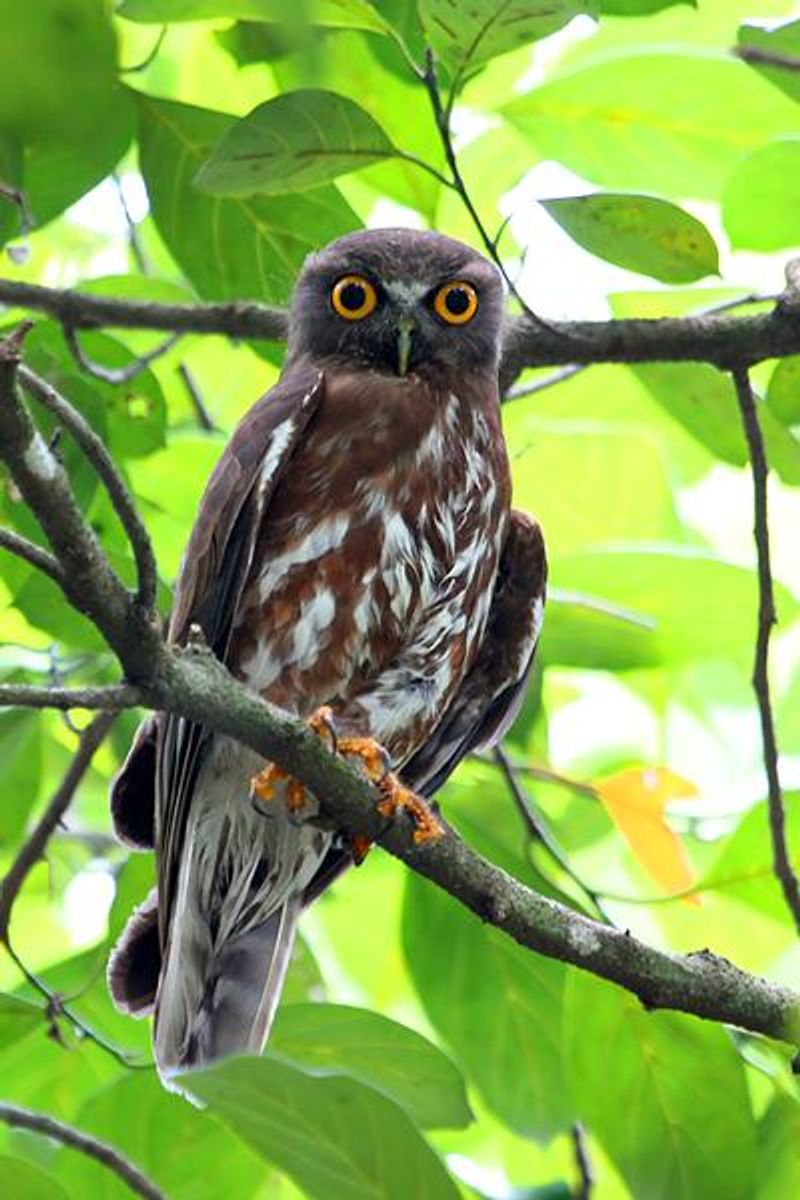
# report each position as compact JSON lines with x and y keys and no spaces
{"x":267,"y":783}
{"x":427,"y":827}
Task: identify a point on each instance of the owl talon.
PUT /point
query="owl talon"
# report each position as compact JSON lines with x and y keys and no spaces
{"x":371,"y":753}
{"x":266,"y":785}
{"x":359,"y":848}
{"x":427,"y":827}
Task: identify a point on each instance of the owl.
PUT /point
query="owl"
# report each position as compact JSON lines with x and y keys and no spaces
{"x":355,"y":560}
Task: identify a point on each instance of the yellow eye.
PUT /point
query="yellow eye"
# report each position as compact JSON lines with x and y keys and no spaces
{"x":353,"y":297}
{"x":456,"y":302}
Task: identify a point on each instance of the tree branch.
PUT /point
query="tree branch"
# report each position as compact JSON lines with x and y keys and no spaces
{"x":80,"y":310}
{"x":193,"y":684}
{"x":36,"y":843}
{"x":89,"y":582}
{"x":766,"y":619}
{"x":582,"y":1162}
{"x":759,"y":56}
{"x":31,"y":553}
{"x":123,"y":1168}
{"x":115,"y":696}
{"x":717,"y":338}
{"x":116,"y":375}
{"x":94,"y":449}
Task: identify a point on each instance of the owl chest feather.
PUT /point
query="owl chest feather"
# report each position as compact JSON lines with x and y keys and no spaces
{"x":385,"y":530}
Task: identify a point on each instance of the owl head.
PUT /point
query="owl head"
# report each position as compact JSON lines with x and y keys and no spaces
{"x":398,"y":301}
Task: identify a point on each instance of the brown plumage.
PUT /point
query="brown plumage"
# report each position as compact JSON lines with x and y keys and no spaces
{"x":354,"y":548}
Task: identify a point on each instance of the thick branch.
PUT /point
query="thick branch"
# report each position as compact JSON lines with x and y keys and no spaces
{"x":197,"y":686}
{"x":79,"y":310}
{"x":94,"y":449}
{"x":23,"y":1118}
{"x":766,"y":620}
{"x":34,"y":846}
{"x":88,"y":580}
{"x":717,"y":338}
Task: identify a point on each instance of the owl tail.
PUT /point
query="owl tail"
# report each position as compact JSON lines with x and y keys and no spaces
{"x":209,"y":1002}
{"x":212,"y":1003}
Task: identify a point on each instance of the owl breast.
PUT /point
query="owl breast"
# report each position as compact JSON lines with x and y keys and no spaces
{"x":383,"y":536}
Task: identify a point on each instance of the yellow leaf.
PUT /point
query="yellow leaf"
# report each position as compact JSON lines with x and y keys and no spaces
{"x":635,"y":800}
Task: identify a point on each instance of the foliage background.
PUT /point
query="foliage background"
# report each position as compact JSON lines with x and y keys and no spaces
{"x":638,"y":476}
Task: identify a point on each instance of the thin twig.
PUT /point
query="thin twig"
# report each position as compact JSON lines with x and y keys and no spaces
{"x":115,"y":696}
{"x":540,"y":385}
{"x":135,"y":242}
{"x":442,"y":116}
{"x":204,"y":418}
{"x":32,"y":554}
{"x":582,"y":1162}
{"x":68,"y":1135}
{"x":759,"y":56}
{"x":36,"y":843}
{"x":766,"y":619}
{"x":539,"y":832}
{"x":97,"y":454}
{"x":117,"y":375}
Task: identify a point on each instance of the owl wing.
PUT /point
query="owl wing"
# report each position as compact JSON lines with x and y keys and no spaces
{"x":209,"y":587}
{"x":491,"y":695}
{"x":492,"y":692}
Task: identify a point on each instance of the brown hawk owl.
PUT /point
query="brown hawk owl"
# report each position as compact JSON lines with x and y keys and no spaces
{"x":354,"y":549}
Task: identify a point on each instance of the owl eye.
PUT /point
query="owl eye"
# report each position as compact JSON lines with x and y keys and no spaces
{"x":456,"y":302}
{"x":353,"y":297}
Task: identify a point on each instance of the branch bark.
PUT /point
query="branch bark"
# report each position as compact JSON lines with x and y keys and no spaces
{"x":718,"y":338}
{"x":123,"y":1168}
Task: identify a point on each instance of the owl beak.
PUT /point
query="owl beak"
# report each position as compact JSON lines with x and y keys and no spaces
{"x":405,"y":327}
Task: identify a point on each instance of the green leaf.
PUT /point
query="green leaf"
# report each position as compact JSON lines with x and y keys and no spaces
{"x":783,"y":393}
{"x":498,"y":1007}
{"x":640,"y":233}
{"x":296,"y":141}
{"x":229,"y":249}
{"x":761,"y":202}
{"x":379,"y":1052}
{"x":22,"y":1179}
{"x":658,"y":121}
{"x":336,"y":1138}
{"x":17,"y":1017}
{"x":344,"y":14}
{"x":622,"y":463}
{"x":743,"y":868}
{"x":779,"y":1150}
{"x":783,"y":41}
{"x":468,"y":35}
{"x":21,"y":746}
{"x":675,"y":587}
{"x":57,"y":72}
{"x":394,"y":99}
{"x":640,"y":1094}
{"x":704,"y":401}
{"x":594,"y":634}
{"x":185,"y":1152}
